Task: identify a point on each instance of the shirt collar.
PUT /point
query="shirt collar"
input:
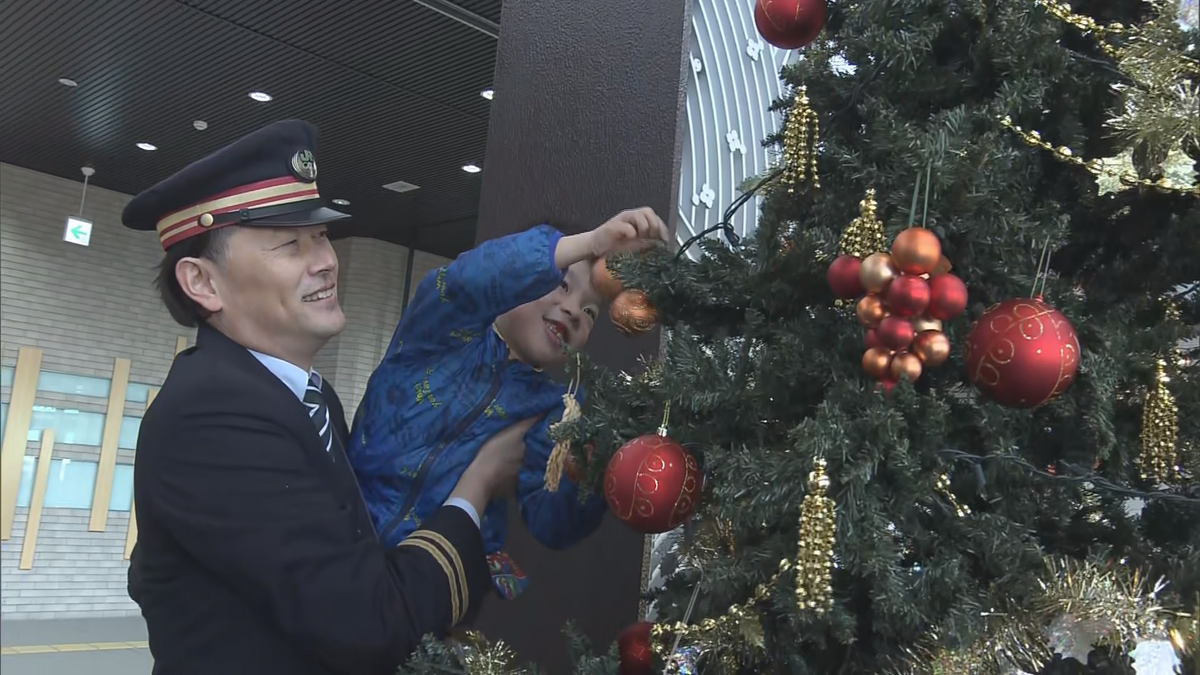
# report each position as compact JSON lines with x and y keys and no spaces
{"x":294,"y":377}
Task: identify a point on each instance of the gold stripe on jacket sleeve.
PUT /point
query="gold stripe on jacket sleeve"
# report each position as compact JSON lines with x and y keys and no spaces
{"x":452,"y":554}
{"x":455,"y":605}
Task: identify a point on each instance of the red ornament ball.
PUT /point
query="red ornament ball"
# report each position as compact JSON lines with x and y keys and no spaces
{"x":789,"y":24}
{"x":652,"y":484}
{"x":843,"y":277}
{"x":947,"y":297}
{"x":871,"y":339}
{"x":908,"y":295}
{"x":1022,"y":352}
{"x":895,"y":333}
{"x":633,"y":648}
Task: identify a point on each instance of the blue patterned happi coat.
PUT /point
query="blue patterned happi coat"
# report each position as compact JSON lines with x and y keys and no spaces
{"x":446,"y":384}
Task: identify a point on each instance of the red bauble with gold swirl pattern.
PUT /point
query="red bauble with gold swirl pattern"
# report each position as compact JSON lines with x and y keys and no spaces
{"x":1022,"y":353}
{"x":652,"y":484}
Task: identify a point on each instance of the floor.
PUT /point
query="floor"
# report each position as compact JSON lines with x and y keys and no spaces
{"x":108,"y":646}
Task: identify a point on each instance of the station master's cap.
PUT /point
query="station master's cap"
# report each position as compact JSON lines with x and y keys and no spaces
{"x":265,"y":179}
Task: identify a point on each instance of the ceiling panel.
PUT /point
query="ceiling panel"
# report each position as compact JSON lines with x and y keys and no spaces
{"x":392,"y":86}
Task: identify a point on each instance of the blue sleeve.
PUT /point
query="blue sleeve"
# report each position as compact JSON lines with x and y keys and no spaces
{"x":464,"y":297}
{"x":556,"y":519}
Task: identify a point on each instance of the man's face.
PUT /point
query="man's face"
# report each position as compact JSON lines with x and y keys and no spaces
{"x":276,"y":290}
{"x":537,"y":331}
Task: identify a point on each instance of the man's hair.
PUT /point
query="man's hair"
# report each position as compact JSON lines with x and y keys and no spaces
{"x":210,"y":245}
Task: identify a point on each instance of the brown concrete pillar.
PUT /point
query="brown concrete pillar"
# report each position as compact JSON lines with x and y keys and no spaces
{"x":587,"y":120}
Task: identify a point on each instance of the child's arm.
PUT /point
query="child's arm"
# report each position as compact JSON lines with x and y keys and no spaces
{"x":504,"y":273}
{"x":556,"y":519}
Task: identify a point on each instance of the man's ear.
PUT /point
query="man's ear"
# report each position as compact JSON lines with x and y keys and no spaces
{"x":196,"y":280}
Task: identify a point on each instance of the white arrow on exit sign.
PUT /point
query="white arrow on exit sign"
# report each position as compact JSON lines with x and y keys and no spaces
{"x":78,"y":231}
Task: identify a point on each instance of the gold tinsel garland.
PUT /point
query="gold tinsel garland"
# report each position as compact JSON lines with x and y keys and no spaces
{"x":1157,"y":459}
{"x":1094,"y":166}
{"x":800,"y":137}
{"x":812,"y":568}
{"x":1159,"y":102}
{"x":864,"y":235}
{"x":479,"y":657}
{"x":1110,"y":604}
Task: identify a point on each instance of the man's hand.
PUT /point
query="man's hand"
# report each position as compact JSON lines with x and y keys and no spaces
{"x":493,"y":472}
{"x":632,"y":230}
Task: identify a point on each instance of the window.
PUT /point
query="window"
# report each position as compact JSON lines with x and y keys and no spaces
{"x":75,"y":427}
{"x":71,"y":484}
{"x":80,"y":385}
{"x":6,"y":376}
{"x":137,"y":393}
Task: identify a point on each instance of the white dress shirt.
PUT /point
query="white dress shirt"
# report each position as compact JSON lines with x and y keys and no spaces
{"x":296,"y":379}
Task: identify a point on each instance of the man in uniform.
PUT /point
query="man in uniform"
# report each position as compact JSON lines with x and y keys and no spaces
{"x":255,"y":553}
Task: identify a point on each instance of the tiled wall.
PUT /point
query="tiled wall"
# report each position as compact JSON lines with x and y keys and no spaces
{"x":86,"y":306}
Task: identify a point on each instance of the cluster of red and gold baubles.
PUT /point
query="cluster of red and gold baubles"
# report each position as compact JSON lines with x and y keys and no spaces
{"x":653,"y":483}
{"x":905,"y":296}
{"x":789,"y":24}
{"x":629,"y":309}
{"x":1022,"y":352}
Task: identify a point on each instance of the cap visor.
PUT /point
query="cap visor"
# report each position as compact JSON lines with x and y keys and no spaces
{"x":318,"y":216}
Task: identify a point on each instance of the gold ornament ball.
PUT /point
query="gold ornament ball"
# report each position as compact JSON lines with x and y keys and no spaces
{"x":916,"y":251}
{"x":876,"y":272}
{"x":924,"y":323}
{"x":632,"y":313}
{"x":905,"y":365}
{"x":932,"y":347}
{"x":875,"y":362}
{"x":870,"y":310}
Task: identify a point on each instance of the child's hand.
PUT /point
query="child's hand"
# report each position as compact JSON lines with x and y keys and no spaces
{"x":632,"y":230}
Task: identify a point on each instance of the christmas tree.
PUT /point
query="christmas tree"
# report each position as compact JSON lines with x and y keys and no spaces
{"x":899,"y":476}
{"x":974,"y":521}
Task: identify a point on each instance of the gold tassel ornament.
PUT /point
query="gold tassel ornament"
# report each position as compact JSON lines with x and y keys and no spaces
{"x":814,"y":557}
{"x":864,"y":235}
{"x":562,"y":448}
{"x":1157,"y":459}
{"x":800,"y":137}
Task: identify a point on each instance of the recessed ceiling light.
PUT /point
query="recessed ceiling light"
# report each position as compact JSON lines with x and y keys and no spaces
{"x":342,"y":202}
{"x":147,"y":146}
{"x":471,"y":168}
{"x":487,"y":93}
{"x":260,"y":96}
{"x":200,"y":125}
{"x":67,"y":82}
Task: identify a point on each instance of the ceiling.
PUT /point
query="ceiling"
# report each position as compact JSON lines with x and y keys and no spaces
{"x":393,"y":87}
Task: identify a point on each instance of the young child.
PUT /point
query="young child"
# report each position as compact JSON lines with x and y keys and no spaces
{"x":468,"y":360}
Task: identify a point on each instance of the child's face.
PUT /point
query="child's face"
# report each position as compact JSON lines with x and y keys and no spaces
{"x":537,"y":331}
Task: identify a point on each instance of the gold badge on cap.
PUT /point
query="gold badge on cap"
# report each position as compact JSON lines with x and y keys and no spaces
{"x":304,"y":165}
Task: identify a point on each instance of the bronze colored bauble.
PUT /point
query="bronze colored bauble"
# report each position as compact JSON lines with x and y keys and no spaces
{"x":870,"y":310}
{"x":916,"y":251}
{"x":943,"y":266}
{"x":875,"y":362}
{"x":905,"y":365}
{"x":603,"y":281}
{"x":876,"y":272}
{"x":924,"y":323}
{"x":632,"y":313}
{"x":932,"y":347}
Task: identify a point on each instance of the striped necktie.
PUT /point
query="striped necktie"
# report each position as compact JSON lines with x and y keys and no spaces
{"x":319,"y":412}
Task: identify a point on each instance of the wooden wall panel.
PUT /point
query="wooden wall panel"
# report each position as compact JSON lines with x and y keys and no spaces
{"x":16,"y":433}
{"x":40,"y":479}
{"x":131,"y":533}
{"x":108,"y":445}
